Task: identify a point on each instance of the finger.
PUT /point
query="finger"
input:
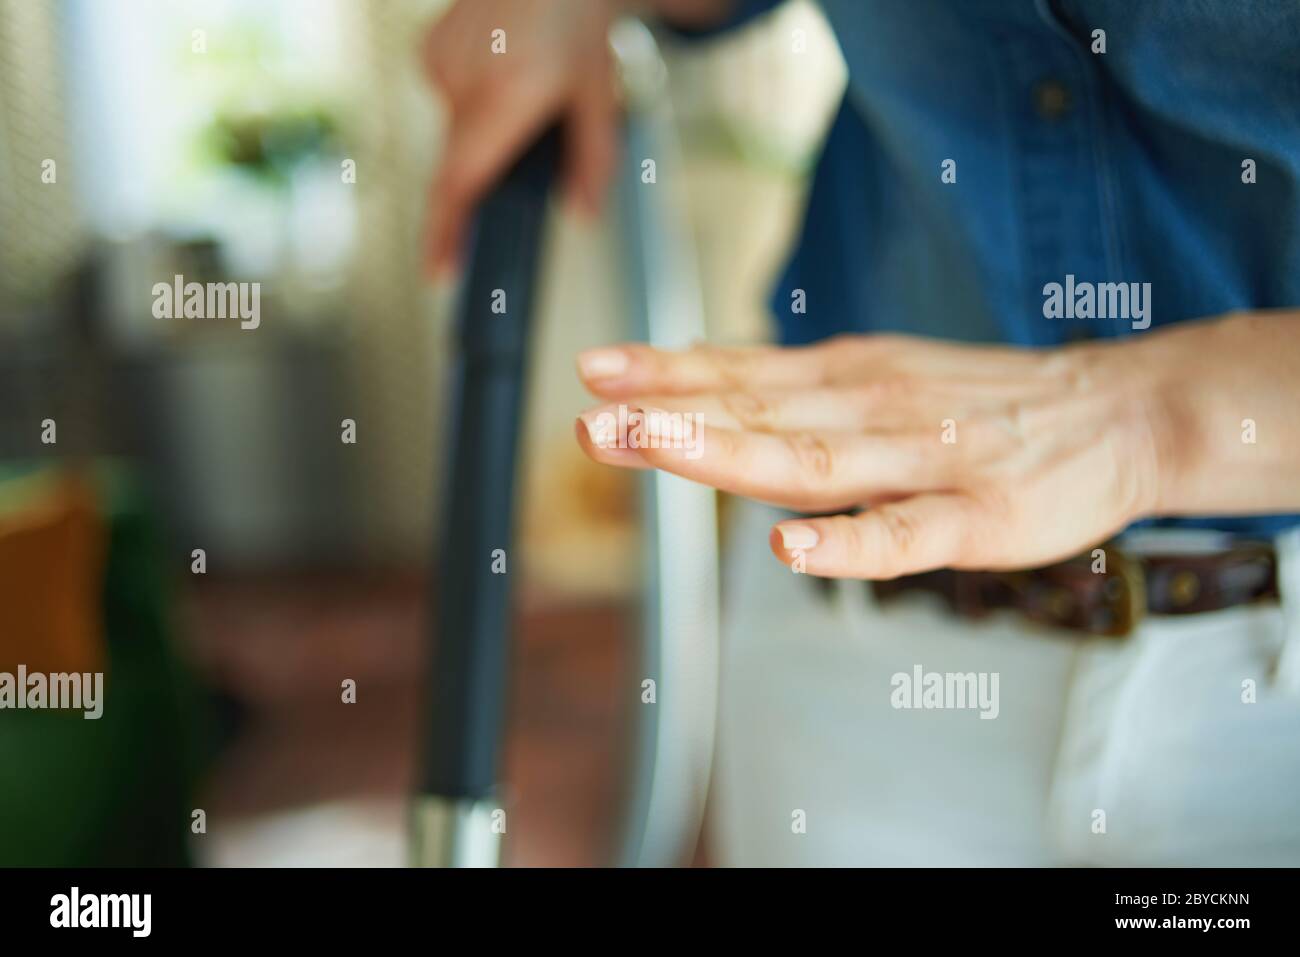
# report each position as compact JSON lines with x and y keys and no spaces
{"x":912,"y":535}
{"x":888,"y":363}
{"x":591,"y":141}
{"x":444,"y":232}
{"x":635,"y":368}
{"x":805,"y":471}
{"x":606,"y":446}
{"x":853,"y":409}
{"x":486,"y":135}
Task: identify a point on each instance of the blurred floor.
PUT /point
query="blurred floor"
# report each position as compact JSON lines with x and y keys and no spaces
{"x":309,"y":780}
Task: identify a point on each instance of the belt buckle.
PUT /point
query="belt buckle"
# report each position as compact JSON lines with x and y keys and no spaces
{"x":1125,"y":591}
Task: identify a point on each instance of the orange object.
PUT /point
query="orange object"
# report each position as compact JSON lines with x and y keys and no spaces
{"x":52,"y":552}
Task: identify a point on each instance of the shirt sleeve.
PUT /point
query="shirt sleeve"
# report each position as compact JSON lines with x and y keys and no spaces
{"x":742,"y":12}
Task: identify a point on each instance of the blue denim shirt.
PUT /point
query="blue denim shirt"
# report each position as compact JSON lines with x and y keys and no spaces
{"x":1123,"y":166}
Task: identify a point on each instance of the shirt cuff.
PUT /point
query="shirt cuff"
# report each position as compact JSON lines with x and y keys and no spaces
{"x":742,"y":12}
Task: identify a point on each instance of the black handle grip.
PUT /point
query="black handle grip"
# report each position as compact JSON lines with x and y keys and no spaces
{"x":470,"y":657}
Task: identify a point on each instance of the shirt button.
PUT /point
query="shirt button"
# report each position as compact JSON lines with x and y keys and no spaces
{"x":1052,"y":99}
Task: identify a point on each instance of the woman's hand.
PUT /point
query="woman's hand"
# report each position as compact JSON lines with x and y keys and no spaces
{"x":960,"y":456}
{"x":507,"y":69}
{"x":550,"y":61}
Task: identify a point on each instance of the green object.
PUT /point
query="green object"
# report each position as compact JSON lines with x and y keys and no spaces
{"x":270,"y":146}
{"x":114,"y":791}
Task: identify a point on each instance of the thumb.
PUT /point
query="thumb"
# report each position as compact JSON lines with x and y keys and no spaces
{"x":912,"y":535}
{"x":591,"y":141}
{"x":485,"y":137}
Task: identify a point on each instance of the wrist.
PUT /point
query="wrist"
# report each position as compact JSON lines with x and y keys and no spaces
{"x":1174,"y":420}
{"x":1138,"y":391}
{"x":1222,"y":425}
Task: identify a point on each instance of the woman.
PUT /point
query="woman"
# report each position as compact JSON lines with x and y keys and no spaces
{"x":1110,"y":193}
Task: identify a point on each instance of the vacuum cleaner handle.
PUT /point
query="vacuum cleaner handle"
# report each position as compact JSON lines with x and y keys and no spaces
{"x":468,"y":682}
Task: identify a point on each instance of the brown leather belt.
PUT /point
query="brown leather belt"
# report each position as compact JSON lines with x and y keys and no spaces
{"x":1108,"y":591}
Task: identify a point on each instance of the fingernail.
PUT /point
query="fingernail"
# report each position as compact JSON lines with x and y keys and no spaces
{"x":602,"y":363}
{"x":578,"y":204}
{"x":445,"y":269}
{"x":798,"y":536}
{"x":598,"y":426}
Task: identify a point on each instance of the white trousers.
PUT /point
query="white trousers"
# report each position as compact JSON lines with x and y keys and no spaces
{"x":1179,"y":745}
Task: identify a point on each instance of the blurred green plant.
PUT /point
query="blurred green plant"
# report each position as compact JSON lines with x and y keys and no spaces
{"x":269,"y":146}
{"x":262,"y":109}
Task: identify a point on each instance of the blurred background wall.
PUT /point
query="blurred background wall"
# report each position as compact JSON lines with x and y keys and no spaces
{"x":140,"y":139}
